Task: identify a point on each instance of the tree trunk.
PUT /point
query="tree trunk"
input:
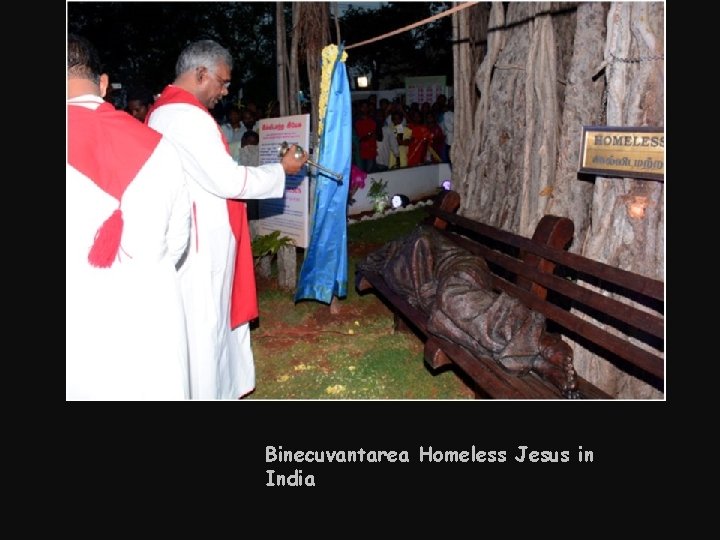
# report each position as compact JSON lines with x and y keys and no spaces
{"x":517,"y":122}
{"x":635,"y":74}
{"x":572,"y":197}
{"x":264,"y":266}
{"x":281,"y":58}
{"x":542,"y":120}
{"x":294,"y":76}
{"x":313,"y":20}
{"x":469,"y":32}
{"x":287,"y":267}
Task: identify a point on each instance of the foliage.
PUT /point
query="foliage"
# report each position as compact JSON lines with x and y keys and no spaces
{"x":139,"y":42}
{"x":270,"y":244}
{"x":378,"y":189}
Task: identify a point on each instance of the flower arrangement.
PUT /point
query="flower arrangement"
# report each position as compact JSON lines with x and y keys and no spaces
{"x":329,"y":55}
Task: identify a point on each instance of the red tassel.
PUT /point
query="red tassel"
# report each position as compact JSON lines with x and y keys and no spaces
{"x":107,"y":241}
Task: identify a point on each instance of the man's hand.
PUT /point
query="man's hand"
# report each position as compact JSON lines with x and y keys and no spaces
{"x":290,"y":163}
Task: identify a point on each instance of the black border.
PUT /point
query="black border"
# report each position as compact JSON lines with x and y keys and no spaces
{"x":191,"y":448}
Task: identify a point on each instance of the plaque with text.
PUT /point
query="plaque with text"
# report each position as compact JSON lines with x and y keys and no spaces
{"x":630,"y":152}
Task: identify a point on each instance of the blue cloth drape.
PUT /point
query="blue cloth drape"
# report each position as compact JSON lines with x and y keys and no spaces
{"x":324,"y":270}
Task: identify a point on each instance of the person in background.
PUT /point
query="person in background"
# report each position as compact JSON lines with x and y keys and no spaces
{"x":417,"y":149}
{"x":248,"y":122}
{"x":387,"y":147}
{"x":365,"y":128}
{"x":218,"y":279}
{"x":436,"y":141}
{"x":251,"y":106}
{"x":249,"y":152}
{"x":233,"y":128}
{"x":383,"y":112}
{"x":439,"y":108}
{"x":403,"y":135}
{"x":127,"y":227}
{"x":138,"y":103}
{"x":372,"y":104}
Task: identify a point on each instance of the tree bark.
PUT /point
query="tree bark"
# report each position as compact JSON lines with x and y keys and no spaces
{"x":281,"y":59}
{"x":264,"y":266}
{"x":469,"y":33}
{"x":571,"y":196}
{"x":494,"y":176}
{"x":294,"y":76}
{"x":313,"y":20}
{"x":542,"y":119}
{"x":513,"y":157}
{"x":634,"y":241}
{"x":287,"y":267}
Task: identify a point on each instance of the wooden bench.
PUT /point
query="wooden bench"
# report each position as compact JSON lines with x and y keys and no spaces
{"x":558,"y":284}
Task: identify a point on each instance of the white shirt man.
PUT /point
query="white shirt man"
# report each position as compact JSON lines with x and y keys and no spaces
{"x":125,"y":325}
{"x":218,"y":279}
{"x":387,"y":147}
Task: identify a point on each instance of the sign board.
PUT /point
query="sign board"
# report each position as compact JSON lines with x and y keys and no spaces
{"x":630,"y":152}
{"x":291,"y":214}
{"x":422,"y":89}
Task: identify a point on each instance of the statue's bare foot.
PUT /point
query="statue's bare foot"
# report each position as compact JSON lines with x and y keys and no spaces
{"x":555,"y":364}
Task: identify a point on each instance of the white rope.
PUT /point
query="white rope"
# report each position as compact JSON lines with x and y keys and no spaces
{"x":414,"y":25}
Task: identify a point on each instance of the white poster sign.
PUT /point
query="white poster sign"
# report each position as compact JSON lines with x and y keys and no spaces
{"x":424,"y":89}
{"x":291,"y":214}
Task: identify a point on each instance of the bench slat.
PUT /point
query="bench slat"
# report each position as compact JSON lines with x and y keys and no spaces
{"x":626,"y":313}
{"x":644,"y":285}
{"x":637,"y":356}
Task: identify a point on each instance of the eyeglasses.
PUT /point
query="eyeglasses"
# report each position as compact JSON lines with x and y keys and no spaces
{"x":223,"y":82}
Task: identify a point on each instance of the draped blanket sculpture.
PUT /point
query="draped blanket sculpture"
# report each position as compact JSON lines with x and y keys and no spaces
{"x":453,"y":288}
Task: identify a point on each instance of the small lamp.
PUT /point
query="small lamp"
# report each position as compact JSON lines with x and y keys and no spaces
{"x":362,"y":81}
{"x":399,"y":200}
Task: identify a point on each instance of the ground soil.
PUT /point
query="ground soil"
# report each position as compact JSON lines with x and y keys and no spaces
{"x":312,"y":327}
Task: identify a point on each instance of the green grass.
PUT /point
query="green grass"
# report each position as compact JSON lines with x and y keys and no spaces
{"x":385,"y":229}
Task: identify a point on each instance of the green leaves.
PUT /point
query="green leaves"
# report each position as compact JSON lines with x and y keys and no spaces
{"x":378,"y":189}
{"x":270,"y":244}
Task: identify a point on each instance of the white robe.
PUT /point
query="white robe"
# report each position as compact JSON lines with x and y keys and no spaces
{"x":221,"y":360}
{"x":125,"y":325}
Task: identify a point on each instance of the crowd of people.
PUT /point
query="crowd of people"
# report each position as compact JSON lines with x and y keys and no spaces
{"x":389,"y":135}
{"x":160,"y":283}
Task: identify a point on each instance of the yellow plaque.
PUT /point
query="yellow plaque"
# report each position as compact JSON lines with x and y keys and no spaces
{"x":630,"y":152}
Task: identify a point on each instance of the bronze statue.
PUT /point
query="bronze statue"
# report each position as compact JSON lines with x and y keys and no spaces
{"x":453,"y":287}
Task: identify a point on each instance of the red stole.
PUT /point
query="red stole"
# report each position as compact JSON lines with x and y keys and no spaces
{"x":109,"y":147}
{"x":243,"y":297}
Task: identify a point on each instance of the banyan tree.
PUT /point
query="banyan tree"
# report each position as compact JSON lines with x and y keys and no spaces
{"x":528,"y":76}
